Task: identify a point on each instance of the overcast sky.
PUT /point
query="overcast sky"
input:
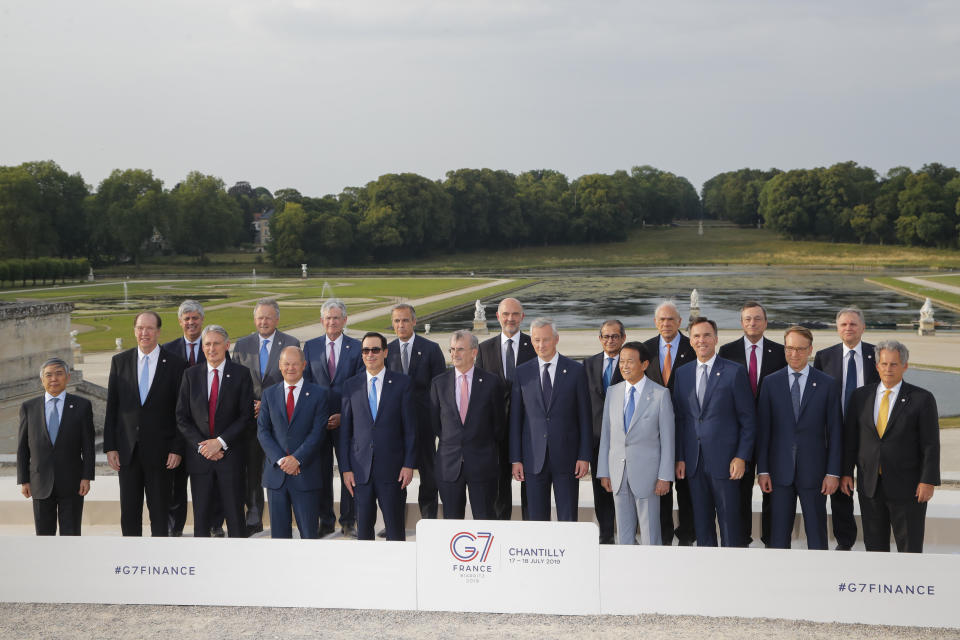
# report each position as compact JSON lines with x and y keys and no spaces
{"x":318,"y":95}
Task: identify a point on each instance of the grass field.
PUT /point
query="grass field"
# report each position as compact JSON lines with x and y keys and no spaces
{"x":936,"y":295}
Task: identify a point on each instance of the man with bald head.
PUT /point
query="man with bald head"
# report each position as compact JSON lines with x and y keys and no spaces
{"x":668,"y":351}
{"x":502,"y":354}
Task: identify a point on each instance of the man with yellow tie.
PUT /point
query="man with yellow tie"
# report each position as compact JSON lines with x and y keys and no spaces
{"x":892,"y":435}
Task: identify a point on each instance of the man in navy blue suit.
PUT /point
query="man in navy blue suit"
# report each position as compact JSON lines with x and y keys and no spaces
{"x":422,"y":360}
{"x":378,"y":441}
{"x":331,"y":360}
{"x":799,"y":443}
{"x":290,"y":427}
{"x":716,"y":428}
{"x":551,"y":437}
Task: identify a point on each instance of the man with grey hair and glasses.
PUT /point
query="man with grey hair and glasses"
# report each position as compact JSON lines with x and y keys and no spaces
{"x":55,"y":452}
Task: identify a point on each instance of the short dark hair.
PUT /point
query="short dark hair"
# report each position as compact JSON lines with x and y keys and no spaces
{"x":374,"y":334}
{"x":148,"y":312}
{"x":642,"y":352}
{"x":701,"y":320}
{"x":803,"y":331}
{"x":750,"y":304}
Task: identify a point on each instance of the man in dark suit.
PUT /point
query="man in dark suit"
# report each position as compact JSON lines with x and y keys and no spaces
{"x":550,"y":433}
{"x":502,"y":354}
{"x":669,"y":350}
{"x":892,"y":436}
{"x":421,"y":360}
{"x":333,"y":358}
{"x":799,"y":443}
{"x":260,"y":353}
{"x":378,"y":441}
{"x":603,"y":370}
{"x":140,"y":428}
{"x":55,"y":452}
{"x":214,"y":415}
{"x":852,"y":364}
{"x":188,"y":347}
{"x":760,"y":356}
{"x":466,"y":410}
{"x":716,"y":426}
{"x":291,"y":425}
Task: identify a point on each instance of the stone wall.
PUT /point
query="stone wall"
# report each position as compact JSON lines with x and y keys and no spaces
{"x":31,"y":333}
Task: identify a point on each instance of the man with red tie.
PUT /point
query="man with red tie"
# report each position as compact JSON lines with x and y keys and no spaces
{"x":290,"y":427}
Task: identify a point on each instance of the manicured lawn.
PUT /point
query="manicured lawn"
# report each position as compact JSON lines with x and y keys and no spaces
{"x":933,"y":294}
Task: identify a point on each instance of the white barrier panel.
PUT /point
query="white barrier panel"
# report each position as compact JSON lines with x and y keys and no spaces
{"x":824,"y":586}
{"x":508,"y":567}
{"x":241,"y":572}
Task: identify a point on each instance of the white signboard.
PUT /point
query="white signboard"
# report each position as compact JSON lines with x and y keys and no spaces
{"x":508,"y":567}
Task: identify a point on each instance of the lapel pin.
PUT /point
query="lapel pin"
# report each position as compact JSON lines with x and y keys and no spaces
{"x":228,"y":375}
{"x":389,"y":381}
{"x":308,"y":393}
{"x":71,"y":407}
{"x":814,"y":384}
{"x":418,"y":353}
{"x":564,"y":371}
{"x":164,"y":360}
{"x":903,"y":399}
{"x":718,"y":374}
{"x":479,"y":379}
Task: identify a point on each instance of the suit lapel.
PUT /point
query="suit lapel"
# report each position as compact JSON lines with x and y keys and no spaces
{"x":713,"y":378}
{"x":346,"y":351}
{"x":809,"y":389}
{"x":157,"y":375}
{"x":903,"y":399}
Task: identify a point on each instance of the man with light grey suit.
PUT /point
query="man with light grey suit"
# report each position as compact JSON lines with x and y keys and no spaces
{"x":636,"y":461}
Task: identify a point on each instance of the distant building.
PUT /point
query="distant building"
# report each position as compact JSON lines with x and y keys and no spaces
{"x":261,"y":228}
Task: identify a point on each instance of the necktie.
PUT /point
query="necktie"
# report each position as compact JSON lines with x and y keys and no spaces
{"x":264,"y":356}
{"x":629,"y":409}
{"x":607,"y":373}
{"x":53,"y":420}
{"x":193,"y":354}
{"x":795,"y":395}
{"x":547,"y":387}
{"x":290,"y":403}
{"x":372,"y":397}
{"x":510,"y":364}
{"x":144,"y":381}
{"x":882,"y":414}
{"x":752,"y":370}
{"x":332,"y":362}
{"x":405,"y":356}
{"x":702,"y":387}
{"x":667,"y":362}
{"x":464,"y":398}
{"x":851,"y":382}
{"x":214,"y":392}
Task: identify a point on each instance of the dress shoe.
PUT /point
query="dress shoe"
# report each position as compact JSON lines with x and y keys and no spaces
{"x":349,"y":530}
{"x":842,"y":547}
{"x":326,"y":529}
{"x":382,"y":533}
{"x":253,"y":529}
{"x":176,"y":534}
{"x":216,"y":532}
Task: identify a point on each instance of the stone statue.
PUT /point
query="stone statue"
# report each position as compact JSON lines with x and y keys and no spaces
{"x":694,"y":299}
{"x":73,"y":339}
{"x":926,"y":311}
{"x":90,"y":277}
{"x":303,"y":269}
{"x":478,"y":313}
{"x":927,"y":325}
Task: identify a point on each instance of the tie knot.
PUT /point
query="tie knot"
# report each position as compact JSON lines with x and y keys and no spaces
{"x":54,"y":401}
{"x":510,"y":341}
{"x":797,"y":374}
{"x":373,"y":380}
{"x":546,"y":366}
{"x":291,"y":387}
{"x":886,"y":392}
{"x":753,"y":347}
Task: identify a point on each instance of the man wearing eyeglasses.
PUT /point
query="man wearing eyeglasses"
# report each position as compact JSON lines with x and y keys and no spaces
{"x":378,"y":440}
{"x":603,"y":371}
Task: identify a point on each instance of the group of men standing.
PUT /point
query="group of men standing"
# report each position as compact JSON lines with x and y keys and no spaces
{"x":671,"y":415}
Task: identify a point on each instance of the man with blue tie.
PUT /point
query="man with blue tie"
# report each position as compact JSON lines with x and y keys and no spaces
{"x":636,"y":463}
{"x":603,"y":370}
{"x":331,"y":359}
{"x":716,"y":428}
{"x":799,"y":443}
{"x":55,"y":452}
{"x":852,"y":363}
{"x":378,"y":441}
{"x":550,"y":435}
{"x":259,"y":352}
{"x":291,"y":425}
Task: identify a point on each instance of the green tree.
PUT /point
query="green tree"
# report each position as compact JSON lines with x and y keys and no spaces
{"x":287,"y":230}
{"x":789,"y":203}
{"x":485,"y":207}
{"x":61,"y":202}
{"x":128,"y":206}
{"x":545,"y":204}
{"x":412,"y":207}
{"x":26,"y":227}
{"x":208,"y":219}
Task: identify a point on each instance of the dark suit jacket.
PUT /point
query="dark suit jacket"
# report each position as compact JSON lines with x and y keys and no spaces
{"x":725,"y":428}
{"x":830,"y":361}
{"x":426,"y":363}
{"x":685,"y":354}
{"x":489,"y":357}
{"x":908,"y":453}
{"x":247,"y":352}
{"x":299,"y":437}
{"x":469,"y":446}
{"x":61,"y":465}
{"x":179,"y":347}
{"x":564,"y":426}
{"x":233,"y":418}
{"x":349,"y":365}
{"x":773,"y":358}
{"x":799,"y":452}
{"x":383,"y":446}
{"x":153,"y":426}
{"x":594,"y":369}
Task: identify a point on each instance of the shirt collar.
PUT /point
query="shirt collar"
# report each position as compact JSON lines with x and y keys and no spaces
{"x":858,"y":349}
{"x":504,"y":337}
{"x":639,"y":386}
{"x":141,"y":355}
{"x":47,"y":397}
{"x":803,"y":372}
{"x":553,"y":360}
{"x":747,"y":344}
{"x":712,"y":361}
{"x":895,"y":389}
{"x":296,"y":386}
{"x":219,"y":367}
{"x":469,"y":372}
{"x":380,"y":375}
{"x":337,"y":342}
{"x":408,"y":340}
{"x":672,"y":343}
{"x":270,"y":337}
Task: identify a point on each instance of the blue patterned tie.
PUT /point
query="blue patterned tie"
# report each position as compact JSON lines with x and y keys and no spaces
{"x":372,"y":397}
{"x":630,"y":408}
{"x":608,"y":373}
{"x":145,"y":381}
{"x":851,"y":382}
{"x":264,"y":356}
{"x":53,"y":420}
{"x":795,"y":395}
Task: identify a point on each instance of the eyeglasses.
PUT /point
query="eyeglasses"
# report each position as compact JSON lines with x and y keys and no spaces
{"x":374,"y":350}
{"x":457,"y":349}
{"x":796,"y":349}
{"x":610,"y":336}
